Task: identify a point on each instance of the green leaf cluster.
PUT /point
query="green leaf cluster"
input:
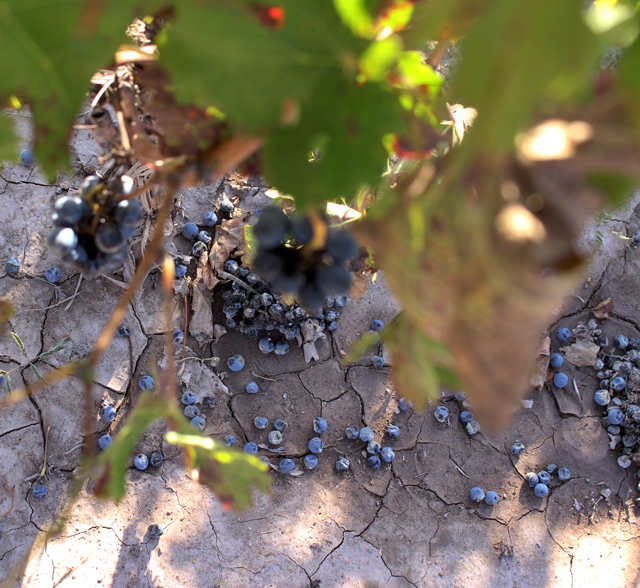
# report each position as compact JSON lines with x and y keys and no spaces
{"x":49,"y":52}
{"x":228,"y":472}
{"x":298,"y":86}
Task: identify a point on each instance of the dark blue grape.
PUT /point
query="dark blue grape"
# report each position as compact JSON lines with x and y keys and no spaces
{"x":109,"y":238}
{"x":69,"y":210}
{"x":62,"y":241}
{"x":341,"y":245}
{"x":333,"y":279}
{"x":128,"y":213}
{"x":90,"y":185}
{"x":271,"y":228}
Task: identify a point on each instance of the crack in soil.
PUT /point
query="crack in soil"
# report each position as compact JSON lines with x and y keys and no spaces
{"x":386,"y":565}
{"x":329,"y":554}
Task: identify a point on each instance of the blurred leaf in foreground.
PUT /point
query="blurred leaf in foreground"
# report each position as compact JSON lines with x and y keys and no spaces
{"x":113,"y":463}
{"x":8,"y":139}
{"x":51,"y":49}
{"x":423,"y":366}
{"x":551,"y":38}
{"x":228,"y":472}
{"x":6,"y":312}
{"x":296,"y":85}
{"x":467,"y":267}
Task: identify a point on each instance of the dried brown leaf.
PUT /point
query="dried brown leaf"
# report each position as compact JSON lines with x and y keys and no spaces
{"x":582,"y":353}
{"x":359,"y":285}
{"x":201,"y":323}
{"x":229,"y":236}
{"x":603,"y":309}
{"x":538,"y":379}
{"x":204,"y":273}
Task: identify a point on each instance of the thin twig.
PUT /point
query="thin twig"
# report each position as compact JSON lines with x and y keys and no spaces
{"x":575,"y":387}
{"x":52,"y":378}
{"x":9,"y":490}
{"x":46,"y":449}
{"x":168,"y":272}
{"x":124,"y":137}
{"x":77,"y":446}
{"x":263,"y":378}
{"x":438,"y":53}
{"x":238,"y":281}
{"x":130,"y":395}
{"x":88,"y":420}
{"x":74,"y":294}
{"x":102,"y":90}
{"x":465,"y":475}
{"x":118,"y":283}
{"x":184,"y":338}
{"x":48,"y":307}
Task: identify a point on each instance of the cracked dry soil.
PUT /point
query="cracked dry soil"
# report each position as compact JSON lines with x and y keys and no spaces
{"x":407,"y":524}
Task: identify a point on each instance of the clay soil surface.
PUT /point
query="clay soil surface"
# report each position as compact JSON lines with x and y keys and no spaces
{"x":409,"y":523}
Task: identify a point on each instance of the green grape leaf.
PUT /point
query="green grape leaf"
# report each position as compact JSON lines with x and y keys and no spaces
{"x":51,"y":50}
{"x":112,"y":464}
{"x":355,"y":15}
{"x":347,"y":124}
{"x":419,"y":369}
{"x":297,"y":85}
{"x":442,"y":20}
{"x":8,"y":139}
{"x":228,"y":472}
{"x":416,"y":74}
{"x":379,"y":57}
{"x":515,"y":55}
{"x":629,"y":80}
{"x":251,"y":69}
{"x":616,"y":187}
{"x":361,"y":346}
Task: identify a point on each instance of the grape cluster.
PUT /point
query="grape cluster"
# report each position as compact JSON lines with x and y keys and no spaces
{"x":254,"y":308}
{"x":92,"y":228}
{"x":292,"y":261}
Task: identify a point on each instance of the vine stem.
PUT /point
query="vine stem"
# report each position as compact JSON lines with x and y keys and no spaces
{"x":169,"y":389}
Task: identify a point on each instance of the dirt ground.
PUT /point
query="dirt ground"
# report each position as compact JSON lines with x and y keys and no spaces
{"x":409,"y":523}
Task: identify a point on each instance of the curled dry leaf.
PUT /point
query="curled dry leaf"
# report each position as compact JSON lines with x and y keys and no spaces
{"x":229,"y":236}
{"x":204,"y":272}
{"x":540,"y":375}
{"x":218,"y":331}
{"x":582,"y":353}
{"x":311,"y":332}
{"x":359,"y":284}
{"x":603,"y":309}
{"x":201,"y":323}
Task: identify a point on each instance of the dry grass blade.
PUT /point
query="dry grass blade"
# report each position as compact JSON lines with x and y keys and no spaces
{"x":168,"y":275}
